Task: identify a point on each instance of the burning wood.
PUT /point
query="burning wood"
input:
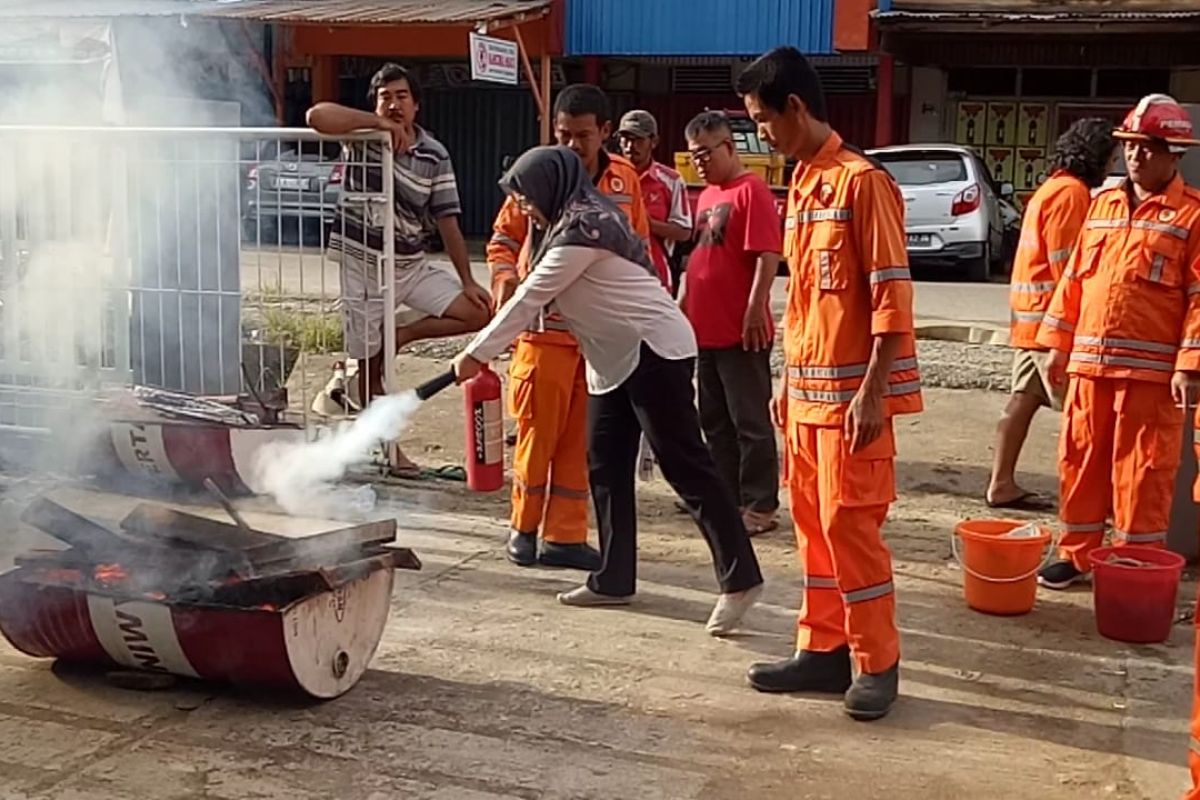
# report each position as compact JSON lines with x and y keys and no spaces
{"x":176,"y":593}
{"x":168,"y":556}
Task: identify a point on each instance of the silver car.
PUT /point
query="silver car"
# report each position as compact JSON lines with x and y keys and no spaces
{"x":954,"y":210}
{"x":292,"y":193}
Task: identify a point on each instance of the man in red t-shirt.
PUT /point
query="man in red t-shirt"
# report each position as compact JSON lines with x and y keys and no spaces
{"x":663,"y":191}
{"x":727,"y":294}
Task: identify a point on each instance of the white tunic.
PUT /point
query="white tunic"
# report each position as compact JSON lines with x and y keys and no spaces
{"x":610,"y":304}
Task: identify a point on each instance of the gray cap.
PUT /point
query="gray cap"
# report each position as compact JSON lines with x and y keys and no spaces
{"x":639,"y":123}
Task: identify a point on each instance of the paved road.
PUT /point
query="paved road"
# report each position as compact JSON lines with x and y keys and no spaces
{"x":307,"y":273}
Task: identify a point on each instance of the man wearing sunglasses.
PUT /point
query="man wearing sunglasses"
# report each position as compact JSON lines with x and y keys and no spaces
{"x":726,"y":295}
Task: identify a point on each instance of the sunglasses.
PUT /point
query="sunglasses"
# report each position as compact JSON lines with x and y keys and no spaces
{"x":702,"y":155}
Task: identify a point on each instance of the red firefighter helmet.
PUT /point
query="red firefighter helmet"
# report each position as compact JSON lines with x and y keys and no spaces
{"x":1159,"y":116}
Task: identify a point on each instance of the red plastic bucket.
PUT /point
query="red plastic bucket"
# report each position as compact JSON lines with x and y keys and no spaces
{"x":1135,"y":604}
{"x":999,"y":573}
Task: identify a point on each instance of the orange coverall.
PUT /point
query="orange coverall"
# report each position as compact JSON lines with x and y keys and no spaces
{"x":550,"y":472}
{"x":1194,"y":744}
{"x":847,"y":250}
{"x":1053,"y":219}
{"x":1128,"y":312}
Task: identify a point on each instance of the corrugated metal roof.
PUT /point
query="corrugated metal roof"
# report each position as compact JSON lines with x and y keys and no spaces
{"x":435,"y":12}
{"x":697,"y":27}
{"x":1094,"y":17}
{"x":442,"y":12}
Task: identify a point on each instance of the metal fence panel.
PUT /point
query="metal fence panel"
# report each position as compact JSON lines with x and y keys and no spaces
{"x":165,"y":258}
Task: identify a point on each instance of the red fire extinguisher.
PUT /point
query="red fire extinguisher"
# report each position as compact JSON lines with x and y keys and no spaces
{"x":485,"y":432}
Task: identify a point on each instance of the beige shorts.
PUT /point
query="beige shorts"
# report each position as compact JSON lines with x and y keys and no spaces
{"x":1030,"y":377}
{"x":420,"y":285}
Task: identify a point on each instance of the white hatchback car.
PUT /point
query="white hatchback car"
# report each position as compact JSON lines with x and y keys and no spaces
{"x":955,"y":212}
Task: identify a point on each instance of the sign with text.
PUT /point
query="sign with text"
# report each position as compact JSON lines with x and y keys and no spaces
{"x":495,"y":60}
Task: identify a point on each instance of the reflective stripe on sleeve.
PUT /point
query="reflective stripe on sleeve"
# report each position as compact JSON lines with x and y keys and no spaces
{"x":1037,"y":287}
{"x":890,"y":274}
{"x":1061,"y":324}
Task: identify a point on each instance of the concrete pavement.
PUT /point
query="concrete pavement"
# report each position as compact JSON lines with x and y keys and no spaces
{"x":305,"y":272}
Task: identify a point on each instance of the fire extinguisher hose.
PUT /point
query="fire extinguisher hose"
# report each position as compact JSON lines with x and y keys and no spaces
{"x":431,"y":387}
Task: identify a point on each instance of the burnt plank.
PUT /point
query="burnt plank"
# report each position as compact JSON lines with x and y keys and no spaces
{"x":329,"y":548}
{"x":67,"y":526}
{"x":159,"y":524}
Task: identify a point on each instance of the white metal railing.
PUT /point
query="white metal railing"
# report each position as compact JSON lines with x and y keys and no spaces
{"x":165,"y":257}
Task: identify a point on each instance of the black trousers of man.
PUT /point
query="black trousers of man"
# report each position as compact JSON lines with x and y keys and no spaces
{"x":658,"y":398}
{"x":735,"y":413}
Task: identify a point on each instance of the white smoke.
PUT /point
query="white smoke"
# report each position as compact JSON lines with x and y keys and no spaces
{"x":303,"y":477}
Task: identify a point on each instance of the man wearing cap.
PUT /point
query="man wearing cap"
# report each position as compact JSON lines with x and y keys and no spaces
{"x":663,"y":191}
{"x":1123,"y":328}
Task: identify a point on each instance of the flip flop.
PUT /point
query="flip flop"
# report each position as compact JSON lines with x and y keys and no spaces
{"x":1029,"y":501}
{"x":449,"y":472}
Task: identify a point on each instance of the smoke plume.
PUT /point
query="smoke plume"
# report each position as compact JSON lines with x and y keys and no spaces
{"x":302,"y":476}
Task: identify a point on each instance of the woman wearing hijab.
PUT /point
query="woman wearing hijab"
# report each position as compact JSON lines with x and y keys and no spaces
{"x":639,"y":348}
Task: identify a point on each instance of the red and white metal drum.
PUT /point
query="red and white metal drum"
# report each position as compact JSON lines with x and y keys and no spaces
{"x":188,"y":452}
{"x":319,"y":645}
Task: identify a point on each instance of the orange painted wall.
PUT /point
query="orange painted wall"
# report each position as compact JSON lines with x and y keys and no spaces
{"x":413,"y":41}
{"x":851,"y":25}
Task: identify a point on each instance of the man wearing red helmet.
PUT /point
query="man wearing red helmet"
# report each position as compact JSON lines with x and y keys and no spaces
{"x":1124,"y":324}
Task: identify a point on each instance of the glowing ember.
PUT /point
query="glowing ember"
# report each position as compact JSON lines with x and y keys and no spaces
{"x":110,"y":573}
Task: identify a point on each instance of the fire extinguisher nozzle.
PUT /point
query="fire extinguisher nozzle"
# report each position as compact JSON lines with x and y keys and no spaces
{"x":431,"y":387}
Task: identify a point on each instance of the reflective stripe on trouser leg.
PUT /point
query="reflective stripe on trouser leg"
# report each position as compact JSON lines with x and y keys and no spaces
{"x":567,"y":500}
{"x":1149,"y":436}
{"x":821,"y":625}
{"x":1085,"y":466}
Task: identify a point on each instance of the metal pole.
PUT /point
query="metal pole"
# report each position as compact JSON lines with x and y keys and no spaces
{"x":388,"y":270}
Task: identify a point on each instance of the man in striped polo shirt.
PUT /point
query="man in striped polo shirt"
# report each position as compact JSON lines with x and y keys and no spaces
{"x":426,"y":200}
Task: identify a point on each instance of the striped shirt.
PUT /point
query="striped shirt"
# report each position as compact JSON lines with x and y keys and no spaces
{"x":425,"y":192}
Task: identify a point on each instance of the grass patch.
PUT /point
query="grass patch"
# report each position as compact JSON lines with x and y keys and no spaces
{"x":309,"y":331}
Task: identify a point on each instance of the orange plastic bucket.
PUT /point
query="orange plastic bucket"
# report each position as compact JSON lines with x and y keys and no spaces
{"x":999,"y":574}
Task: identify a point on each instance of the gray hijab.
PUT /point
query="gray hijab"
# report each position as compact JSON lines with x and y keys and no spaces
{"x":555,"y":181}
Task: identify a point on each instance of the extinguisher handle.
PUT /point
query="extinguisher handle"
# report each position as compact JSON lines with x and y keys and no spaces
{"x":431,"y":387}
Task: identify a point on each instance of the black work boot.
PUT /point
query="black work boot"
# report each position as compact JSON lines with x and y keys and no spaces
{"x":522,"y":548}
{"x":806,"y":671}
{"x":871,"y":697}
{"x":570,"y":556}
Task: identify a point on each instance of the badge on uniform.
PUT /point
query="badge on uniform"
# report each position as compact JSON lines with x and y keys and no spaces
{"x":618,"y":185}
{"x":1166,"y":215}
{"x":825,"y":193}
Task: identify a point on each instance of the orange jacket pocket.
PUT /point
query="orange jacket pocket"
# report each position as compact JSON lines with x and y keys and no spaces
{"x":869,"y":476}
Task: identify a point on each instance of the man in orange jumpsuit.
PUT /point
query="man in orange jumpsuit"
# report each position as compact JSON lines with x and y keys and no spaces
{"x":851,"y":366}
{"x":550,"y":472}
{"x":1124,"y":323}
{"x":1052,"y":222}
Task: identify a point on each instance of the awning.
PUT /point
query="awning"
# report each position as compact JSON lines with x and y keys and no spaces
{"x":316,"y":12}
{"x":1078,"y":19}
{"x":359,"y":12}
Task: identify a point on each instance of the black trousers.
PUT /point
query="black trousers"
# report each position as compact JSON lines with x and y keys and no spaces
{"x":658,"y":399}
{"x":735,"y":413}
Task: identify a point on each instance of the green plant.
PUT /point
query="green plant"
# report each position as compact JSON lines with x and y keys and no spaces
{"x":308,"y":331}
